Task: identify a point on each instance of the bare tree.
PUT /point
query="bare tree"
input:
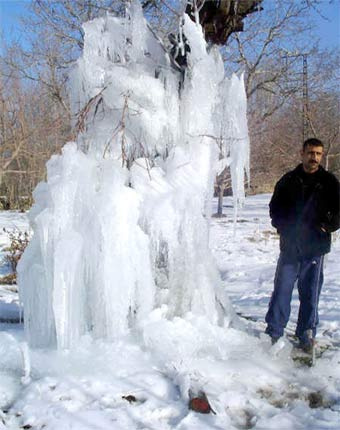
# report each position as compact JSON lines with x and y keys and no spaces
{"x":268,"y":50}
{"x":35,"y":116}
{"x":324,"y":119}
{"x":276,"y":144}
{"x":52,"y":38}
{"x":32,"y":128}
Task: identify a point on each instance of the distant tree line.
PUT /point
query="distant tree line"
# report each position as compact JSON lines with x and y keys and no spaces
{"x":35,"y":119}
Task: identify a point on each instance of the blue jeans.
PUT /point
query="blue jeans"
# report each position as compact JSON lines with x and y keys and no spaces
{"x":309,"y":274}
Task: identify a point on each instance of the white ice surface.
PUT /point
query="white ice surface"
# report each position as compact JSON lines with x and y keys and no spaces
{"x":249,"y":383}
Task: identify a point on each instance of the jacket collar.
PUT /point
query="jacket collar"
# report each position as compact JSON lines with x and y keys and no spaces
{"x":300,"y":172}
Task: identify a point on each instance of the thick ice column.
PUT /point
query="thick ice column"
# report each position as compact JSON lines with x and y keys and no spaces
{"x":237,"y":134}
{"x":200,"y":97}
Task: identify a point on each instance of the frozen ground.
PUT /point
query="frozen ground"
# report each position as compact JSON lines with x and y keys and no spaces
{"x":249,"y":383}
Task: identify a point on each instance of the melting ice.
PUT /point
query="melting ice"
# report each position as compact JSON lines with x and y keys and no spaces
{"x":121,"y":224}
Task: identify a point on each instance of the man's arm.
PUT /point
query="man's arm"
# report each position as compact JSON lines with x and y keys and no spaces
{"x":331,"y":222}
{"x":278,"y":206}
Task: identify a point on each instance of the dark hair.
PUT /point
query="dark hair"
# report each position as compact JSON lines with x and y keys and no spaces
{"x":312,"y":142}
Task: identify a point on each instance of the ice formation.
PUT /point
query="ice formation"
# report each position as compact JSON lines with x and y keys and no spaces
{"x":121,"y":224}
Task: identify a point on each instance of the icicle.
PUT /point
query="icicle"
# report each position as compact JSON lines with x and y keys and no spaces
{"x":26,"y":378}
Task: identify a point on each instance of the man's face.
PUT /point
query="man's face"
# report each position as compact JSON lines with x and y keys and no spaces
{"x":311,"y":157}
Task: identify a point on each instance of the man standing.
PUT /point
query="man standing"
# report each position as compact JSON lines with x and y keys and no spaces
{"x":305,"y":211}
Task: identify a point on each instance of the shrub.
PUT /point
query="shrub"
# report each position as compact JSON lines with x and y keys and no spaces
{"x":18,"y":242}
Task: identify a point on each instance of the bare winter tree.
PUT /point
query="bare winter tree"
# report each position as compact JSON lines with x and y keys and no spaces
{"x":277,"y":148}
{"x":324,"y":114}
{"x":52,"y":38}
{"x":35,"y":115}
{"x":324,"y":105}
{"x":269,"y":48}
{"x":12,"y":131}
{"x":32,"y":128}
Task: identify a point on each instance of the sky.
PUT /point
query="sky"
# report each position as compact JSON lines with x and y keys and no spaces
{"x":10,"y":13}
{"x":328,"y":29}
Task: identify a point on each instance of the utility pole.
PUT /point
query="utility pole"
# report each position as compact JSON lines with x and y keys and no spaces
{"x":305,"y":122}
{"x":305,"y":125}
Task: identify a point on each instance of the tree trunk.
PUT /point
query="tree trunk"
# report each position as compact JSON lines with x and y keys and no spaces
{"x":220,"y":201}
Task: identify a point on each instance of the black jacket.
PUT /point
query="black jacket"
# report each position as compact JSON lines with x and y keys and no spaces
{"x":302,"y":206}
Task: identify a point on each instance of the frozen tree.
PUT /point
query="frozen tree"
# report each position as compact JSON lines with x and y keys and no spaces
{"x":121,"y":224}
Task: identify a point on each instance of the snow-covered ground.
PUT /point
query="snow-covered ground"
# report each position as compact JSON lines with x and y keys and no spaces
{"x":249,"y":383}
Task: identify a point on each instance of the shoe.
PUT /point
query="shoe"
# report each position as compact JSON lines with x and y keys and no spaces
{"x":306,"y":347}
{"x":274,"y":339}
{"x":307,"y":342}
